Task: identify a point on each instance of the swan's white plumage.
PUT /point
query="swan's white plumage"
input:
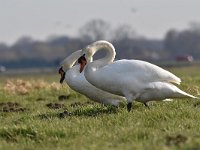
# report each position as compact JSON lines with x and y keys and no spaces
{"x":77,"y":82}
{"x":134,"y":79}
{"x":141,"y":70}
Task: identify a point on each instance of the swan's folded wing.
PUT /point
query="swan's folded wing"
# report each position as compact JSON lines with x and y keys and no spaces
{"x":141,"y":70}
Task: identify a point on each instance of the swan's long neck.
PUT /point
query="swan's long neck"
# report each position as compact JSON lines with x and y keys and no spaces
{"x":91,"y":68}
{"x":110,"y":53}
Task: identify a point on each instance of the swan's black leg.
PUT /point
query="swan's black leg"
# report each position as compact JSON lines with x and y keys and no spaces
{"x":129,"y":106}
{"x":145,"y":104}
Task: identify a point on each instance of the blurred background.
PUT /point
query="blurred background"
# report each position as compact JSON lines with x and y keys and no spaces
{"x":39,"y":34}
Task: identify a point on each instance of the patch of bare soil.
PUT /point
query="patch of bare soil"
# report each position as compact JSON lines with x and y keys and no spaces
{"x":63,"y":97}
{"x":11,"y":107}
{"x":65,"y":114}
{"x":55,"y":105}
{"x":176,"y":140}
{"x":197,"y":104}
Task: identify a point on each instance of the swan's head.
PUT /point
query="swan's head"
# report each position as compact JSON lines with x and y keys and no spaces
{"x":68,"y":63}
{"x":91,"y":49}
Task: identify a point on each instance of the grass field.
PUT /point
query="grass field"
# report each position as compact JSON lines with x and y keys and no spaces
{"x":32,"y":117}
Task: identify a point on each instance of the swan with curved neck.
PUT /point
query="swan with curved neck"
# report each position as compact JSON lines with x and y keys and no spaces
{"x":77,"y":81}
{"x":135,"y":79}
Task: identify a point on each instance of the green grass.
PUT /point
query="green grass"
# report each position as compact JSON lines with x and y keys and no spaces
{"x":166,"y":125}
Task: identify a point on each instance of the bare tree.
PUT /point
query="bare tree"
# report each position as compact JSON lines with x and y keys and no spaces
{"x":123,"y":32}
{"x":24,"y":40}
{"x":195,"y":26}
{"x":95,"y":30}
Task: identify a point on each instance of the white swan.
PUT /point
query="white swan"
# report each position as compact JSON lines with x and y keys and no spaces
{"x":77,"y":82}
{"x":134,"y":79}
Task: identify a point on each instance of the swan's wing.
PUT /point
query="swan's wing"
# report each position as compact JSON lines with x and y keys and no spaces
{"x":141,"y":70}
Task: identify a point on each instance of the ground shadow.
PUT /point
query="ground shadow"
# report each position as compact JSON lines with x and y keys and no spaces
{"x":95,"y":111}
{"x":80,"y":111}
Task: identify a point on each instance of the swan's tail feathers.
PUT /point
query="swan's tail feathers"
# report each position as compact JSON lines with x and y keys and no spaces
{"x":175,"y":80}
{"x":178,"y":93}
{"x":186,"y":95}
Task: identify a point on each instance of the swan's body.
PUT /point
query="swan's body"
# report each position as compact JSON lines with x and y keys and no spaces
{"x":134,"y":79}
{"x":77,"y":82}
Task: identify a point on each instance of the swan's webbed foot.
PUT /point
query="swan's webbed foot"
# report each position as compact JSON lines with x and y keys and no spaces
{"x":146,"y":105}
{"x":129,"y":106}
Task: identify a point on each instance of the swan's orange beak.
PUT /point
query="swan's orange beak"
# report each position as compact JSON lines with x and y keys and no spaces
{"x":82,"y":61}
{"x":62,"y":74}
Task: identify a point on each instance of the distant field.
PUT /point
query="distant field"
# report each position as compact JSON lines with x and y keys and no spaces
{"x":36,"y":112}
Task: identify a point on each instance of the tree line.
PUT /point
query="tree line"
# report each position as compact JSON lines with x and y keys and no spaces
{"x":27,"y":52}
